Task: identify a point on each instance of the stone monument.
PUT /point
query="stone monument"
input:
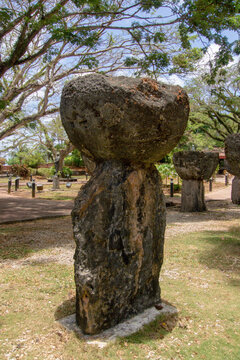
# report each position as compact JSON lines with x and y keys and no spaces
{"x":232,"y":151}
{"x":56,"y":185}
{"x":193,"y":167}
{"x":126,"y":124}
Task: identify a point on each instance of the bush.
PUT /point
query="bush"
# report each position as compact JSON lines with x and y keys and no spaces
{"x":66,"y":172}
{"x":176,"y":187}
{"x":20,"y":170}
{"x":45,"y":172}
{"x":74,"y":159}
{"x":33,"y":171}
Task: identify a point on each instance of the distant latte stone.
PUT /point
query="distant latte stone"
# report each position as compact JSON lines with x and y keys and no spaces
{"x":232,"y":151}
{"x":194,"y":167}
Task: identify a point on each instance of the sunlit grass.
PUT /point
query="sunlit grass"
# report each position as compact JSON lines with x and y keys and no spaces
{"x":200,"y":276}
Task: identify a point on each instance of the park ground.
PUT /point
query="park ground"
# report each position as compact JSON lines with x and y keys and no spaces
{"x":200,"y":277}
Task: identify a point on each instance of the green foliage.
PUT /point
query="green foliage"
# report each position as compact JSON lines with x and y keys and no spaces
{"x":167,"y":170}
{"x":83,"y":37}
{"x":209,"y":20}
{"x":156,"y":59}
{"x":66,"y":171}
{"x":77,"y":33}
{"x":74,"y":159}
{"x":34,"y":159}
{"x":28,"y":157}
{"x":6,"y":15}
{"x":148,"y":5}
{"x":195,"y":137}
{"x":53,"y":170}
{"x":185,"y":61}
{"x":45,"y":172}
{"x":215,"y":104}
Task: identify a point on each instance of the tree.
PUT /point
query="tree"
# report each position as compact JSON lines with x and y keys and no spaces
{"x":53,"y":139}
{"x":27,"y":156}
{"x":74,"y":159}
{"x":215,"y":107}
{"x":140,"y":19}
{"x":44,"y":42}
{"x":43,"y":142}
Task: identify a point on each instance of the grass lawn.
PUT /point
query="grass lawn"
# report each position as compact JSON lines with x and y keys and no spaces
{"x":62,"y":194}
{"x":200,"y":276}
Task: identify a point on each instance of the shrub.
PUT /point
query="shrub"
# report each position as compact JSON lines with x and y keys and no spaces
{"x":176,"y":187}
{"x":33,"y":171}
{"x":45,"y":172}
{"x":20,"y":170}
{"x":74,"y":159}
{"x":66,"y":172}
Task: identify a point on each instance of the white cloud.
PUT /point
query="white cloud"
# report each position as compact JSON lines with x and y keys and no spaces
{"x":209,"y":56}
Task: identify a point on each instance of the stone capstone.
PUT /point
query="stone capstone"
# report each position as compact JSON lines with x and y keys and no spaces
{"x":194,"y":167}
{"x":123,"y":125}
{"x":122,"y":118}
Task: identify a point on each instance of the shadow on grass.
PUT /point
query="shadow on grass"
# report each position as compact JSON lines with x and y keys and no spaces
{"x":224,"y":254}
{"x":155,"y":330}
{"x":21,"y":239}
{"x":218,"y":210}
{"x":66,"y":308}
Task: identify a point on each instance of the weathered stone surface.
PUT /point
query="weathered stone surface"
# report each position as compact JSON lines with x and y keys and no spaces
{"x":119,"y":223}
{"x":194,"y":167}
{"x":56,"y":185}
{"x":88,"y":161}
{"x":122,"y":118}
{"x":124,"y":124}
{"x":235,"y":194}
{"x":232,"y":151}
{"x":192,"y":196}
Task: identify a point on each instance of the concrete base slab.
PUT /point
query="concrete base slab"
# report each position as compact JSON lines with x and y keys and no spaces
{"x":126,"y":328}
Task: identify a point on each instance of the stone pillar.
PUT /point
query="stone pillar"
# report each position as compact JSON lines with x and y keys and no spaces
{"x":55,"y":183}
{"x":232,"y":151}
{"x":126,"y":125}
{"x":194,"y":167}
{"x":192,"y":196}
{"x":235,"y":193}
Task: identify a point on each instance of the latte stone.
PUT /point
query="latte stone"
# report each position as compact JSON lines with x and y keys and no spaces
{"x":193,"y":167}
{"x":126,"y":125}
{"x":232,"y":151}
